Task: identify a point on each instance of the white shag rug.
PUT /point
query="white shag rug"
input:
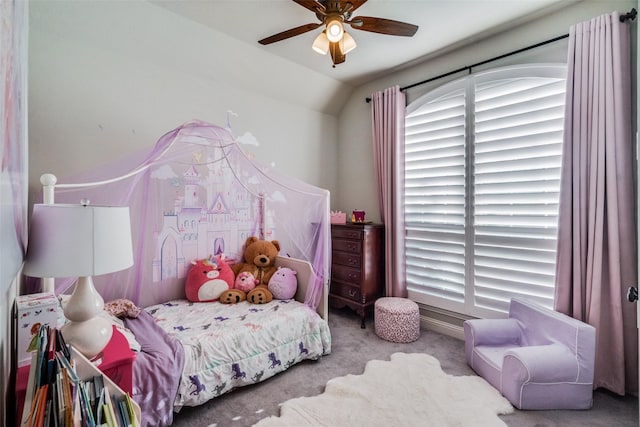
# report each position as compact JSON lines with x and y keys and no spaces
{"x":408,"y":390}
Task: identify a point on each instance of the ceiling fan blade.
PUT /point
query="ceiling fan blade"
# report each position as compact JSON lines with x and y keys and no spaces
{"x":312,"y":5}
{"x":289,"y":33}
{"x":336,"y":53}
{"x":383,"y":26}
{"x":354,"y":4}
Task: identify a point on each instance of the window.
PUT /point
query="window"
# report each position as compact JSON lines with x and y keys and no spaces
{"x":482,"y":179}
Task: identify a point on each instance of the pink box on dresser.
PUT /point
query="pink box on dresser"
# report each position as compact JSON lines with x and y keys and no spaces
{"x":338,"y":217}
{"x":34,"y":310}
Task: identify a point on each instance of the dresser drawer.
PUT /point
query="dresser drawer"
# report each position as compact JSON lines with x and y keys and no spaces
{"x":346,"y":245}
{"x":345,"y":291}
{"x":346,"y":274}
{"x":346,"y":258}
{"x":345,"y":233}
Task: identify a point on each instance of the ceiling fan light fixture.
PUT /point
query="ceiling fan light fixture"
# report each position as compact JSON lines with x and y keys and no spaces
{"x":321,"y":44}
{"x":333,"y":15}
{"x":335,"y":30}
{"x":347,"y":44}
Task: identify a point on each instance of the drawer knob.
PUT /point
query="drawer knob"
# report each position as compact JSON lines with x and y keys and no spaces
{"x":352,"y":293}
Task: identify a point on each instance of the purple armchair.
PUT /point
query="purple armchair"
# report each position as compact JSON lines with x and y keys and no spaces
{"x":537,"y":358}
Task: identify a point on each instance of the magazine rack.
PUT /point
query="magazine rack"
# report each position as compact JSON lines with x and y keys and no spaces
{"x":85,"y":370}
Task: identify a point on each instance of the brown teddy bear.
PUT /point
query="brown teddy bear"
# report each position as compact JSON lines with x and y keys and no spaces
{"x":259,"y":260}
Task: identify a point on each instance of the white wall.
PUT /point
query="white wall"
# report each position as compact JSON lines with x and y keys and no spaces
{"x":356,"y":175}
{"x":109,"y":78}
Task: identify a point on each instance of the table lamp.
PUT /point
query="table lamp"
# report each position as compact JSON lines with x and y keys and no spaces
{"x":80,"y":241}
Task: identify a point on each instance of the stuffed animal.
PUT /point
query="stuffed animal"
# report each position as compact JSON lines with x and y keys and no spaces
{"x":208,"y":278}
{"x":259,"y":260}
{"x":245,"y":281}
{"x":283,"y":283}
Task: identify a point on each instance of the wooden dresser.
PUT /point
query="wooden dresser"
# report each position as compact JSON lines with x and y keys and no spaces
{"x":357,"y":266}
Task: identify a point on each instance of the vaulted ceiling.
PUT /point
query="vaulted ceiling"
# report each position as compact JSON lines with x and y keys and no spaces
{"x":443,"y":24}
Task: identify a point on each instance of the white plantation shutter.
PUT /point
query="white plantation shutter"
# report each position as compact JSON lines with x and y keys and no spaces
{"x":435,"y":195}
{"x":484,"y":230}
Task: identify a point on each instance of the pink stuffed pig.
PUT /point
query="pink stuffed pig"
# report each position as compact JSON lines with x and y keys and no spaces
{"x":246,"y":281}
{"x":284,"y":283}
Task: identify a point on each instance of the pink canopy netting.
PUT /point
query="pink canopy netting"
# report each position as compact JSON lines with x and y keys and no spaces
{"x":196,"y":194}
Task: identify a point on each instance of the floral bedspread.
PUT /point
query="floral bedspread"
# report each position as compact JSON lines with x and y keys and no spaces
{"x":229,"y":346}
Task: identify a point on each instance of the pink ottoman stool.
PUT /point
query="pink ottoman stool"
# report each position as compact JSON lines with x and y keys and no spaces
{"x":397,"y":319}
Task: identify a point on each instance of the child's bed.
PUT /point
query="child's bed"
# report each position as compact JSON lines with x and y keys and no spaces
{"x":193,"y":352}
{"x":189,"y":352}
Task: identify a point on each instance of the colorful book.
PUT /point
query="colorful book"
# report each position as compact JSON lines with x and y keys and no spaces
{"x":98,"y":391}
{"x":110,"y":414}
{"x":130,"y":410}
{"x":62,"y":346}
{"x":85,"y":406}
{"x":30,"y":391}
{"x":40,"y":349}
{"x":122,"y":414}
{"x":38,"y":418}
{"x":66,"y":364}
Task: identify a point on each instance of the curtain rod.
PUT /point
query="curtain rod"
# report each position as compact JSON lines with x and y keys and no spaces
{"x":631,"y":15}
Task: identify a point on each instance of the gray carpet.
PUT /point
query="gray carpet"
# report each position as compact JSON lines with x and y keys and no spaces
{"x":352,"y":347}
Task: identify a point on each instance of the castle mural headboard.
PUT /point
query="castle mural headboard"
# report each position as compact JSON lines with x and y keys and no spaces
{"x":196,"y":194}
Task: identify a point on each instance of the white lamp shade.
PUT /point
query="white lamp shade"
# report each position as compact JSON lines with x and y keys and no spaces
{"x":78,"y":240}
{"x":321,"y":44}
{"x":347,"y":43}
{"x":334,"y":30}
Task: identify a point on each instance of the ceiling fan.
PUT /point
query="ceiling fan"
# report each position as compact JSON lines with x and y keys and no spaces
{"x":334,"y":14}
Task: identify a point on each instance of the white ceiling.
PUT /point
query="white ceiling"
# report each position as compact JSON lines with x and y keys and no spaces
{"x":442,"y":25}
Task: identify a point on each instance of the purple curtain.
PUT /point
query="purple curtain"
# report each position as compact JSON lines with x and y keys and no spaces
{"x":387,"y":116}
{"x":596,"y":258}
{"x":14,"y":29}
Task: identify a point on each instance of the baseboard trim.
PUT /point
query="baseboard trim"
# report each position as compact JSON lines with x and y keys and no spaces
{"x":441,"y":327}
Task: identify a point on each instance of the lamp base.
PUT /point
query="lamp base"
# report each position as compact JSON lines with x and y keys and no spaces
{"x":88,"y":337}
{"x":85,"y":301}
